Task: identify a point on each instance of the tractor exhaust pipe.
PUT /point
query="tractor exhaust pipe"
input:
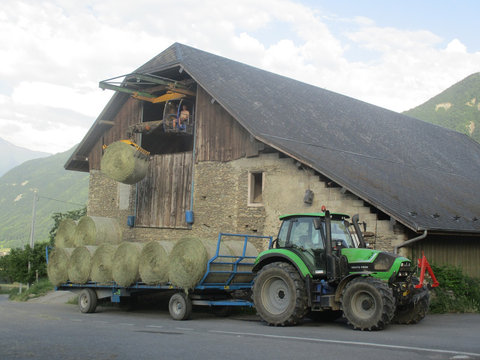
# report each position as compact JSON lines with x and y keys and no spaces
{"x":332,"y":260}
{"x":358,"y":231}
{"x":328,"y":234}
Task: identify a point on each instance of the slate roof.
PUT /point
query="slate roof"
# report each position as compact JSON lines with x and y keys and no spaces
{"x":424,"y":176}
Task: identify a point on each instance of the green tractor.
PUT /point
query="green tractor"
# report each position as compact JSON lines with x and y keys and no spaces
{"x":320,"y":267}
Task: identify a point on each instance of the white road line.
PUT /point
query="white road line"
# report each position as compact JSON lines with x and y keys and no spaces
{"x":413,"y":348}
{"x":126,"y":324}
{"x":154,"y":326}
{"x":186,"y":329}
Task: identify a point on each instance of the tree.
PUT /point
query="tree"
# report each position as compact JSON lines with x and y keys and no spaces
{"x":58,"y":217}
{"x":14,"y":266}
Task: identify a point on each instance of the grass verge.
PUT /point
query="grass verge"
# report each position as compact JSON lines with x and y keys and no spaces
{"x":36,"y":290}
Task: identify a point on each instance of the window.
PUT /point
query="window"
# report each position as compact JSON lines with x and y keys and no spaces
{"x":255,"y":189}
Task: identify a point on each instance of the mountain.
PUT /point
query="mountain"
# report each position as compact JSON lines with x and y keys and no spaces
{"x":59,"y":190}
{"x":12,"y":155}
{"x":457,"y":108}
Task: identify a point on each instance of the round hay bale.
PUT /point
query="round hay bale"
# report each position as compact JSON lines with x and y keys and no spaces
{"x":79,"y":265}
{"x":188,"y":261}
{"x":94,"y":230}
{"x":102,"y":261}
{"x":153,"y":263}
{"x":126,"y":262}
{"x":57,"y":268}
{"x":122,"y":162}
{"x":65,"y":232}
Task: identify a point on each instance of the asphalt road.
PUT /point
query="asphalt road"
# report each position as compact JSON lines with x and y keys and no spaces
{"x":48,"y":331}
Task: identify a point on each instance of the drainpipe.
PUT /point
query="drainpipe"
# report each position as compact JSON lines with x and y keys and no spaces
{"x":411,"y":241}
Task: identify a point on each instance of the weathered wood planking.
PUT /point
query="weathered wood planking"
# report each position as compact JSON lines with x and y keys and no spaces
{"x":130,"y":114}
{"x":219,"y":136}
{"x":164,"y":195}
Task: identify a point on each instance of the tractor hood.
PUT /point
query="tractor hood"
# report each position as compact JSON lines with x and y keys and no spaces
{"x":373,"y":260}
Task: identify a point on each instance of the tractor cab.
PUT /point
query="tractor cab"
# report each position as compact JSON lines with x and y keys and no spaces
{"x":306,"y":236}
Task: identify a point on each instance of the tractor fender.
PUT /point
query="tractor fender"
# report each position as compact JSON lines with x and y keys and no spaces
{"x":345,"y":281}
{"x":289,"y":257}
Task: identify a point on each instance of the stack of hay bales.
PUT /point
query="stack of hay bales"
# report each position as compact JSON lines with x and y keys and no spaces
{"x":101,"y":257}
{"x":76,"y":245}
{"x":124,"y":162}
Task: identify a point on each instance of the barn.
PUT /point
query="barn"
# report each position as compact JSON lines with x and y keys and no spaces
{"x":255,"y":145}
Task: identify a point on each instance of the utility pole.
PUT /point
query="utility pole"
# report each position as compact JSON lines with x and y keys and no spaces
{"x":32,"y":229}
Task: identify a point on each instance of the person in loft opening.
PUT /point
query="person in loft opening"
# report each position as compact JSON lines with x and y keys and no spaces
{"x":184,"y":115}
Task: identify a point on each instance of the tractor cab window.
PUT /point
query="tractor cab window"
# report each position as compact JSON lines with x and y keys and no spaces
{"x":340,"y":233}
{"x":304,"y":235}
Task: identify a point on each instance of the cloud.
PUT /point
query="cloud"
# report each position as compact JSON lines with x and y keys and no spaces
{"x":53,"y":54}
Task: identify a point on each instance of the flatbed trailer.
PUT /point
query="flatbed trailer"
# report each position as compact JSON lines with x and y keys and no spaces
{"x":233,"y":291}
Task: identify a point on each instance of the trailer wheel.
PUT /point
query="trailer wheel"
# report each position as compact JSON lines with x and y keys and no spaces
{"x":180,"y":306}
{"x":87,"y":301}
{"x":279,"y":294}
{"x":368,"y":303}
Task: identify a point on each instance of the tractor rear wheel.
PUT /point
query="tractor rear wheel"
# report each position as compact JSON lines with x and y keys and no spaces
{"x":415,"y":310}
{"x":279,"y":294}
{"x":368,"y":303}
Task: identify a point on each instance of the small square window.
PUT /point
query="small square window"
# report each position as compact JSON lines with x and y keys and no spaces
{"x":255,"y":189}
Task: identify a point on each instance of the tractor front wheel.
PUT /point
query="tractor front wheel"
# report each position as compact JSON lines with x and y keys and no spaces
{"x":368,"y":303}
{"x":279,"y":294}
{"x":414,"y":311}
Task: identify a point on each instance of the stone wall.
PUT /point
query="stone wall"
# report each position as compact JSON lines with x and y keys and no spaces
{"x":221,"y":202}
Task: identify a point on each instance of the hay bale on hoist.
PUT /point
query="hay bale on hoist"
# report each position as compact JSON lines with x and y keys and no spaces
{"x":125,"y":162}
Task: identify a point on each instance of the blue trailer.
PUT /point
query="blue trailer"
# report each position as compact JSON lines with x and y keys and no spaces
{"x":233,"y":290}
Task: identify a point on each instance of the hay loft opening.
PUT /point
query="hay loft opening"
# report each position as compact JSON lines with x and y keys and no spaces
{"x":168,"y":109}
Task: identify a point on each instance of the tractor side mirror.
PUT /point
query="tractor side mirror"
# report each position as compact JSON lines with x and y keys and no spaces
{"x":317,"y":223}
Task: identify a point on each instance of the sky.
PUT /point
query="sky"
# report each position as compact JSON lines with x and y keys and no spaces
{"x":53,"y":53}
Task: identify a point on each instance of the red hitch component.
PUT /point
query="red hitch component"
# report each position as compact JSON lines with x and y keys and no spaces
{"x":424,"y":265}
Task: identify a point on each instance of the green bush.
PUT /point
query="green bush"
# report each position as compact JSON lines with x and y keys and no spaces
{"x":457,"y":293}
{"x":14,"y":266}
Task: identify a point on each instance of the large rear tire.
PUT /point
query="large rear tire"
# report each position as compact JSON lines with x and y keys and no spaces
{"x":415,"y":310}
{"x":279,"y":294}
{"x":87,"y":301}
{"x":368,"y":303}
